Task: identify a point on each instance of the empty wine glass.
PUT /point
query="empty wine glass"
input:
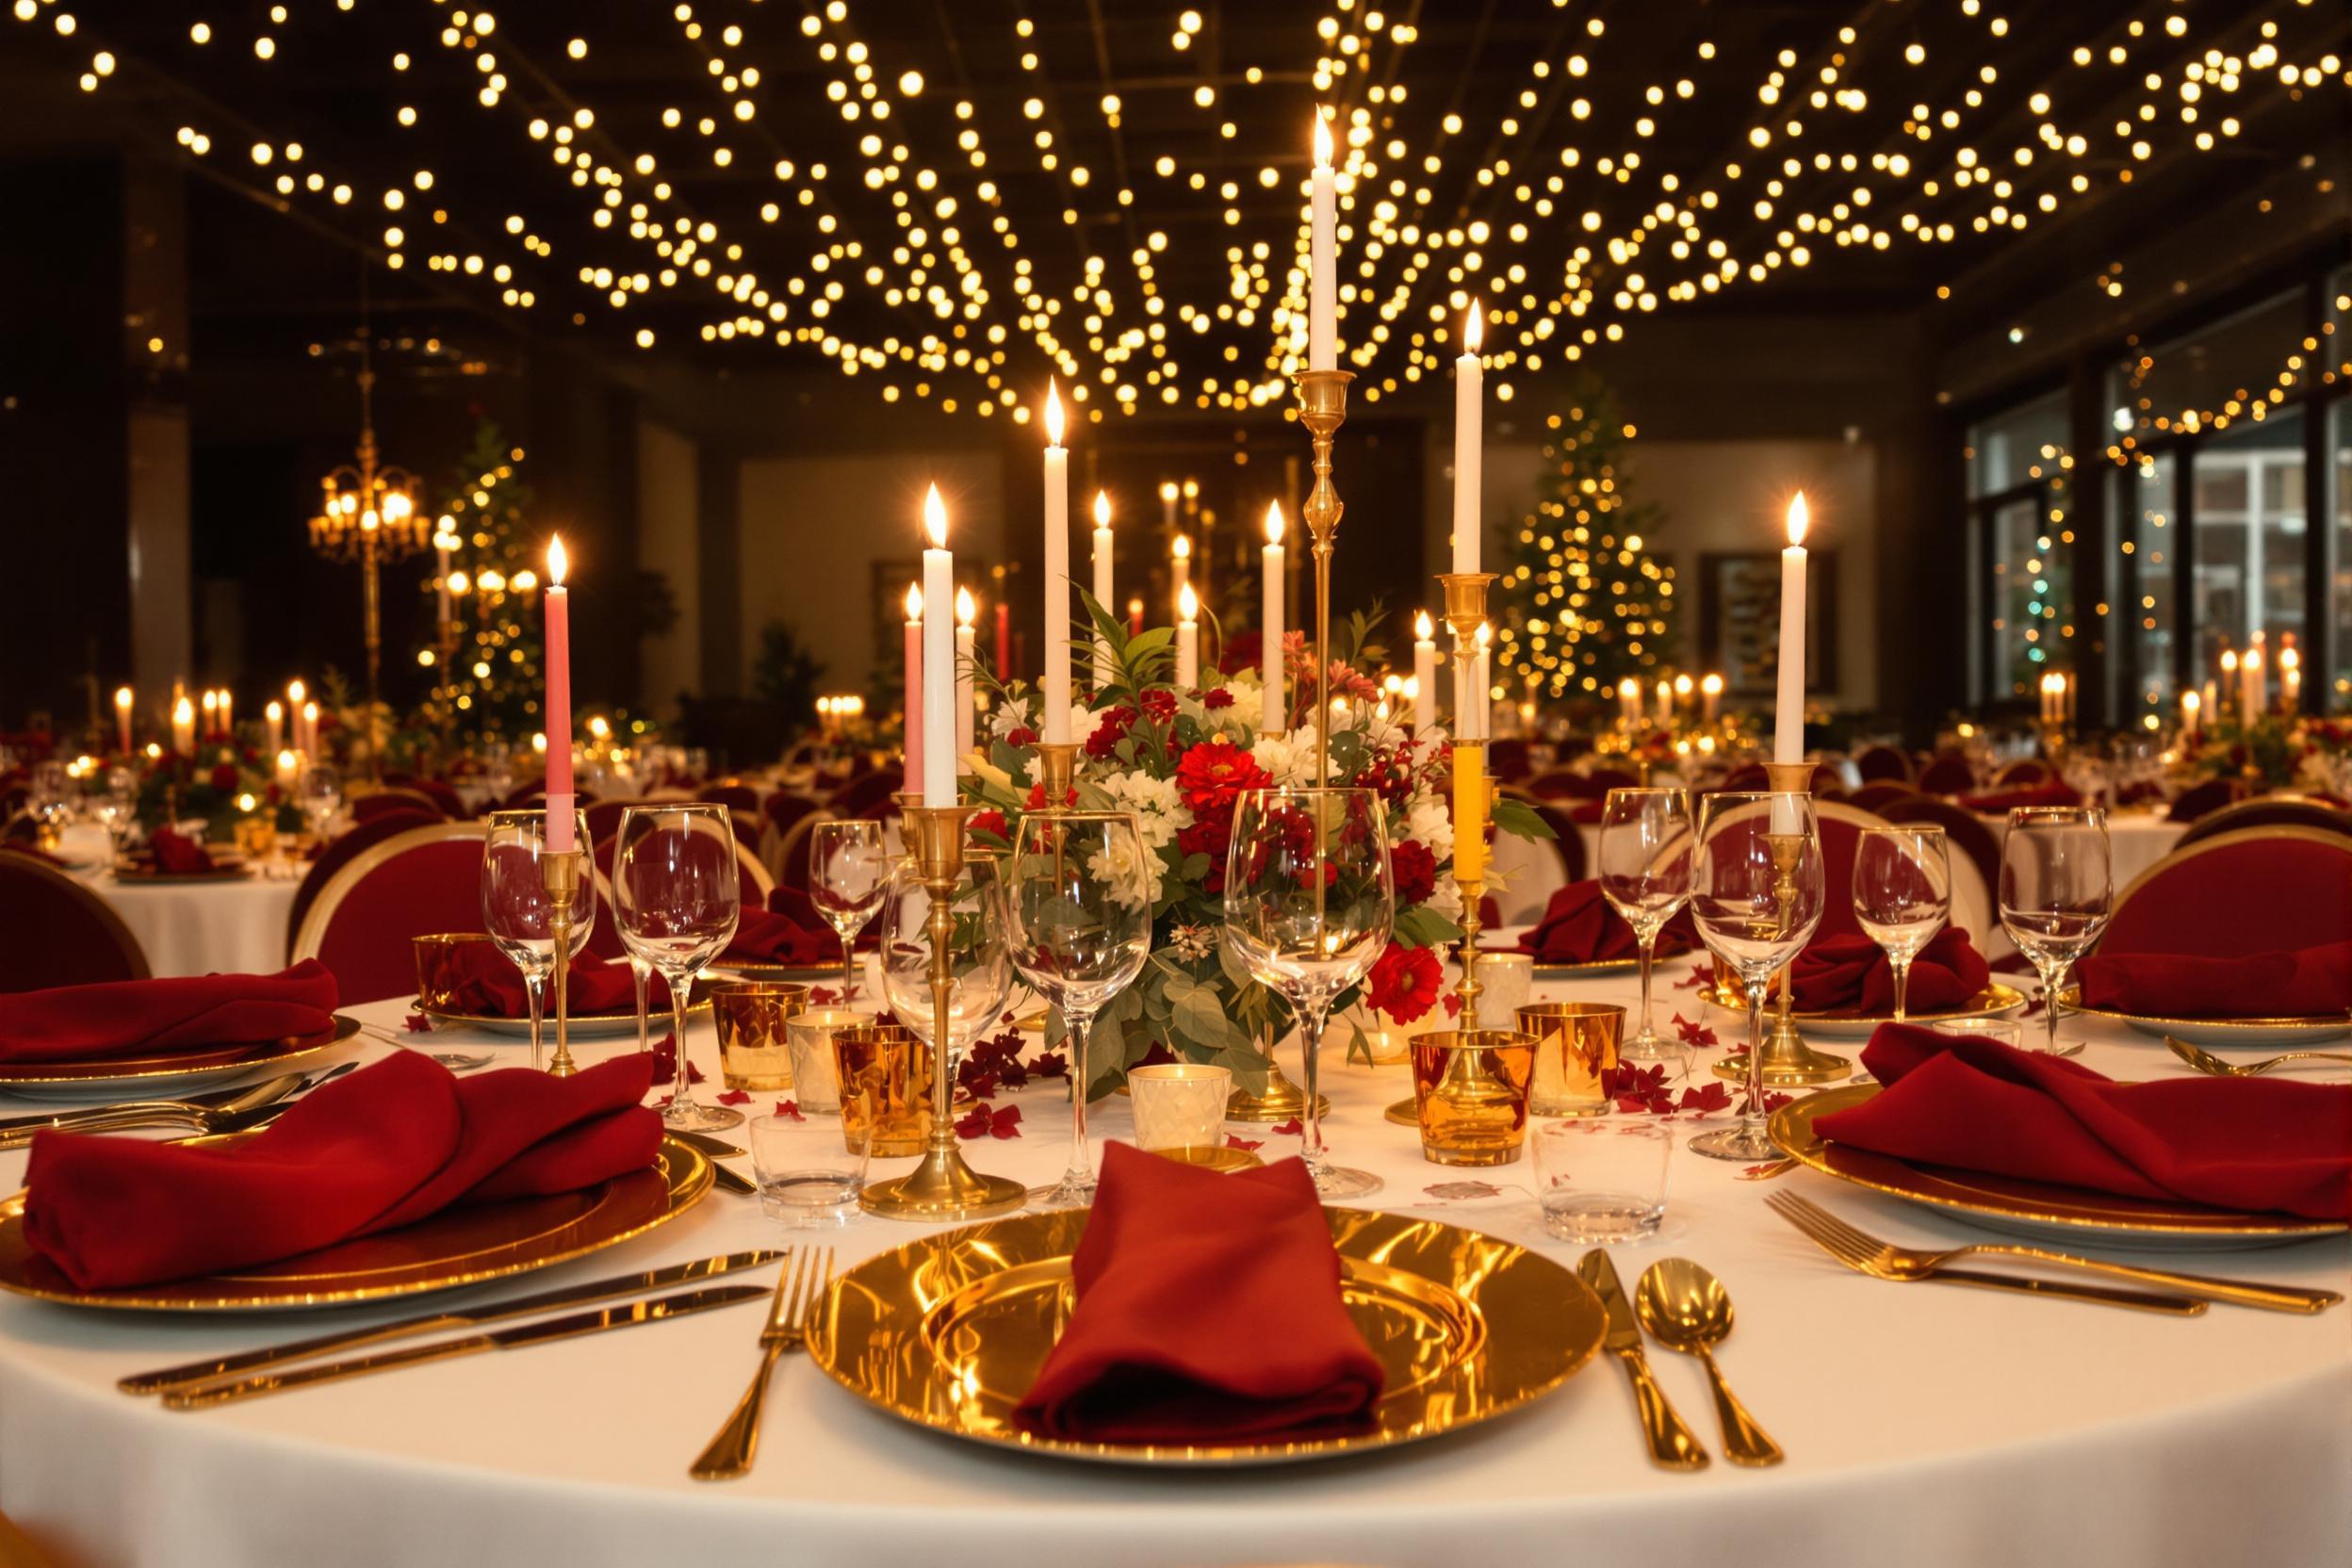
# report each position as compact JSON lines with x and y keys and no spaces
{"x":1902,"y":894}
{"x":1757,"y":894}
{"x":979,"y":954}
{"x":1646,"y":875}
{"x":2056,"y":893}
{"x":1080,"y":890}
{"x":677,"y":894}
{"x":515,"y":904}
{"x":320,"y":796}
{"x":848,"y":869}
{"x":1309,"y":905}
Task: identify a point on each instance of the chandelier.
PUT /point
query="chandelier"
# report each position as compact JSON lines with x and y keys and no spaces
{"x":368,"y":514}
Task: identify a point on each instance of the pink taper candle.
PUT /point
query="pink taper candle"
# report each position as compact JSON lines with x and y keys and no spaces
{"x":914,"y":688}
{"x":560,"y":837}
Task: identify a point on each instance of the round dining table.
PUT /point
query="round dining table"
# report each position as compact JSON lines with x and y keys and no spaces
{"x":1924,"y":1424}
{"x":233,"y":925}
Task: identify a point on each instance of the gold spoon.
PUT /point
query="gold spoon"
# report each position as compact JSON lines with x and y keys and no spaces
{"x":2205,"y":1061}
{"x":1685,"y":1308}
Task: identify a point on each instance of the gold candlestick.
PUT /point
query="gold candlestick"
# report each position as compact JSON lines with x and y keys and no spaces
{"x":558,"y":872}
{"x":942,"y":1187}
{"x":1057,"y":772}
{"x":1788,"y":1061}
{"x":1323,"y":408}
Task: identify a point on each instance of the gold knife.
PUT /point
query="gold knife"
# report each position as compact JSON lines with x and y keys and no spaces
{"x":660,"y":1310}
{"x":462,"y":1317}
{"x":1672,"y":1445}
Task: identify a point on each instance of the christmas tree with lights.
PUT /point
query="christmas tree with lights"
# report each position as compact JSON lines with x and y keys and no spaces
{"x":490,"y":682}
{"x":1582,"y":603}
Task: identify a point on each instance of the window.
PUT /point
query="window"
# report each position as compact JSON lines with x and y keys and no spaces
{"x":2249,"y":535}
{"x":2018,"y":474}
{"x":2148,"y":624}
{"x":2340,"y":487}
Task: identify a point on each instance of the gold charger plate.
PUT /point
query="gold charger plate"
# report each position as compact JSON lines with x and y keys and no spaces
{"x":1220,"y":1158}
{"x":1995,"y":1001}
{"x":463,"y":1246}
{"x":949,"y":1332}
{"x":2219,"y":1031}
{"x":583,"y":1026}
{"x":2012,"y":1204}
{"x":168,"y":1071}
{"x":769,"y":974}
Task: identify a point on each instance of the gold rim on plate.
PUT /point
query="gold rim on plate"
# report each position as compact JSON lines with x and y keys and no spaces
{"x":597,"y":1025}
{"x":459,"y":1245}
{"x":193,"y":1066}
{"x":2259,"y":1030}
{"x":1992,"y":1002}
{"x":2008,"y":1201}
{"x":949,"y":1332}
{"x":1220,"y":1157}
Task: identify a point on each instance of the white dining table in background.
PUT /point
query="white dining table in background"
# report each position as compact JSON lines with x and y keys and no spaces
{"x":1938,"y":1426}
{"x":230,"y":927}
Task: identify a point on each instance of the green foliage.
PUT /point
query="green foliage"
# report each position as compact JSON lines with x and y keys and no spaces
{"x":497,"y":629}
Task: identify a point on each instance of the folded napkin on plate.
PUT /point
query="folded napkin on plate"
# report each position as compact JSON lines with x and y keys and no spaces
{"x":391,"y":1144}
{"x":2251,"y":1144}
{"x":2302,"y":983}
{"x":1851,"y":975}
{"x":1208,"y":1311}
{"x":788,"y":934}
{"x":140,"y":1018}
{"x":2056,"y":792}
{"x":1581,"y":926}
{"x":484,"y":982}
{"x":177,"y":854}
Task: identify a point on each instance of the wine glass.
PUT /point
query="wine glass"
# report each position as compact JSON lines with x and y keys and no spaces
{"x":1646,"y":875}
{"x":677,"y":894}
{"x":1310,"y":901}
{"x":321,"y":795}
{"x":979,"y":961}
{"x":2056,"y":893}
{"x":515,"y":902}
{"x":1080,"y":886}
{"x":848,"y":870}
{"x":1757,"y":894}
{"x":1902,"y":894}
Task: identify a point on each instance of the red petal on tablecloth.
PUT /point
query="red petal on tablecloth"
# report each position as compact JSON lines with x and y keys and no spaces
{"x":1208,"y":1311}
{"x":2249,"y":1144}
{"x":125,"y":1018}
{"x":1580,"y":926}
{"x":388,"y":1145}
{"x":2302,"y":983}
{"x":483,"y":982}
{"x":1851,"y":975}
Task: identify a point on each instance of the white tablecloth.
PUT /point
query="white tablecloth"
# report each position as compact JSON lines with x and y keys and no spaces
{"x":206,"y":928}
{"x":1925,"y":1425}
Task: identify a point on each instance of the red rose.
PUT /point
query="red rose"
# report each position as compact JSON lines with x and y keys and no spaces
{"x":1212,"y":774}
{"x":1209,"y":838}
{"x":224,"y":777}
{"x":1403,"y":984}
{"x":991,"y":822}
{"x":1109,"y":732}
{"x":1217,"y":697}
{"x":1415,"y":871}
{"x":1036,"y":797}
{"x":1159,"y":705}
{"x":1021,"y":735}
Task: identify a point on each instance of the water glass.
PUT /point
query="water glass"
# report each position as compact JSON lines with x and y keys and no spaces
{"x":809,"y":1173}
{"x":1603,"y":1181}
{"x":1180,"y":1104}
{"x":808,"y":1036}
{"x":677,"y":894}
{"x":1644,"y":861}
{"x":1902,"y":894}
{"x":2056,"y":893}
{"x":979,"y":957}
{"x":1576,"y":1048}
{"x":515,"y":907}
{"x":1756,"y":897}
{"x":2008,"y":1031}
{"x":321,"y":795}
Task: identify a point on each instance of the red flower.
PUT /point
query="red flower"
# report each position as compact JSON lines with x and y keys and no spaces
{"x":1415,"y":869}
{"x":1021,"y":735}
{"x":983,"y":1122}
{"x":1209,"y":839}
{"x":1217,"y":697}
{"x":1211,"y":773}
{"x":991,"y":822}
{"x":224,"y":777}
{"x":1404,"y":982}
{"x":1109,"y":730}
{"x":1159,"y":705}
{"x":1036,"y":797}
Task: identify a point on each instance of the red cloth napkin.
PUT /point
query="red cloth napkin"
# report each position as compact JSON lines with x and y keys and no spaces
{"x":1851,"y":975}
{"x":484,"y":982}
{"x":2303,"y":983}
{"x":2056,"y":792}
{"x":2249,"y":1144}
{"x":789,"y":931}
{"x":177,"y":854}
{"x":391,"y":1144}
{"x":127,"y":1018}
{"x":1208,"y":1311}
{"x":1580,"y":926}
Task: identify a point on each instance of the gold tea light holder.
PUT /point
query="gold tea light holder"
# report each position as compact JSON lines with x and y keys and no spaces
{"x":942,"y":1187}
{"x":559,"y":874}
{"x":1788,"y":1062}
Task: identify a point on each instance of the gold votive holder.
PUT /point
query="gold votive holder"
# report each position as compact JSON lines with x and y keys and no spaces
{"x":809,"y":1037}
{"x":753,"y":1022}
{"x":258,"y":837}
{"x":438,"y":967}
{"x":1470,"y":1088}
{"x":1179,"y":1104}
{"x":1575,"y":1057}
{"x":885,"y":1075}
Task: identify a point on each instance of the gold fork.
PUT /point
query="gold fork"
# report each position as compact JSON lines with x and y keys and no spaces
{"x":799,"y":1281}
{"x":1898,"y":1262}
{"x":2205,"y":1061}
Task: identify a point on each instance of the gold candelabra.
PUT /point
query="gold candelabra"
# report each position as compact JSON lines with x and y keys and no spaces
{"x":369,"y":516}
{"x":1788,"y":1062}
{"x":558,"y":872}
{"x":1323,"y":408}
{"x":942,"y":1187}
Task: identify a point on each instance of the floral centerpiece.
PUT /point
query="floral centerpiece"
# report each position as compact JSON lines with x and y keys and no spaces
{"x":1177,"y":759}
{"x":2276,"y":751}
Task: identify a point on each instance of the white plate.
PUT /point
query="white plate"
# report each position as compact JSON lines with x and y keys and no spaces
{"x":2222,"y":1032}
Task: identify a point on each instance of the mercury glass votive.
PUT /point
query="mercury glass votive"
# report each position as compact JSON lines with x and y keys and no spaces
{"x":1180,"y":1104}
{"x":754,"y":1022}
{"x":1576,"y":1058}
{"x":1470,"y":1088}
{"x":816,"y":1082}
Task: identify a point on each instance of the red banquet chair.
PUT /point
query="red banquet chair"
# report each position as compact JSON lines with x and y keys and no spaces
{"x":784,"y":808}
{"x":1947,"y":775}
{"x":735,"y":797}
{"x":2200,"y":800}
{"x":2259,"y":889}
{"x":56,"y":932}
{"x":413,"y":883}
{"x":1880,"y":793}
{"x":1883,"y":764}
{"x":2019,"y":774}
{"x":869,"y":796}
{"x":340,"y":851}
{"x":2287,"y":810}
{"x":394,"y":798}
{"x":1964,"y":832}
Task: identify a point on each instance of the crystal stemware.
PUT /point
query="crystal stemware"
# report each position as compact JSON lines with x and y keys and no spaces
{"x":1757,"y":894}
{"x":321,"y":795}
{"x":677,"y":895}
{"x":979,"y":959}
{"x":1646,"y":874}
{"x":849,"y":867}
{"x":1310,"y":901}
{"x":1079,"y":890}
{"x":2056,"y":893}
{"x":515,"y":904}
{"x":1902,"y":894}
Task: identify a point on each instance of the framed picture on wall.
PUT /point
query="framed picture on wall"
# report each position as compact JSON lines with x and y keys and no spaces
{"x":886,"y":595}
{"x":1739,"y":619}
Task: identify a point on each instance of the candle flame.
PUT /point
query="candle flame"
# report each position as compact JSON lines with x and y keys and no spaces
{"x":295,"y":691}
{"x":1629,"y":687}
{"x":1168,"y":490}
{"x":2253,"y":660}
{"x":1712,"y":685}
{"x":1322,"y":140}
{"x":914,"y":602}
{"x":2289,"y":658}
{"x":1188,"y":603}
{"x":184,"y":711}
{"x":1682,"y":685}
{"x":1182,"y":548}
{"x":1474,"y":329}
{"x":273,"y":711}
{"x":310,"y":712}
{"x":966,"y":612}
{"x":122,"y":698}
{"x":1423,"y":628}
{"x":558,"y":562}
{"x":2191,"y":702}
{"x":285,"y":761}
{"x":1273,"y":522}
{"x":1053,"y":413}
{"x":2229,"y":659}
{"x":1101,"y":509}
{"x":1799,"y":518}
{"x":935,"y":518}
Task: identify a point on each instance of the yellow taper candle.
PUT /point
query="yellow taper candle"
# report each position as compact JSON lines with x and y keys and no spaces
{"x":1469,"y":813}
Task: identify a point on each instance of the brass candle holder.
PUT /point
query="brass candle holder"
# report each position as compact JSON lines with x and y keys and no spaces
{"x":1058,"y":772}
{"x":1323,"y":408}
{"x":1788,"y":1061}
{"x":942,"y":1187}
{"x":558,"y":872}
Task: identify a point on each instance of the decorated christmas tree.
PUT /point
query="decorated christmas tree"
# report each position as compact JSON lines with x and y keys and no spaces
{"x":1580,"y":600}
{"x":492,"y":681}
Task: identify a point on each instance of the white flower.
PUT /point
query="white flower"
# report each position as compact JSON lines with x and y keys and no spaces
{"x":1428,"y":821}
{"x":1013,"y":715}
{"x":1083,"y":721}
{"x":1193,"y":942}
{"x":1288,"y":758}
{"x":1131,"y":874}
{"x":1158,"y":809}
